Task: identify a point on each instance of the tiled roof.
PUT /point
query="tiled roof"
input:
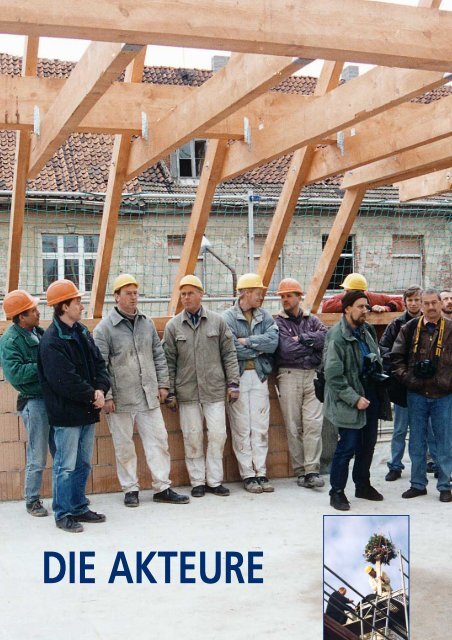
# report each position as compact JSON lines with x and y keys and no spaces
{"x":82,"y":163}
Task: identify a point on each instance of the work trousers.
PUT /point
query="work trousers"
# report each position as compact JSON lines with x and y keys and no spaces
{"x":303,"y":418}
{"x":203,"y":468}
{"x":250,"y":420}
{"x":154,"y":437}
{"x":40,"y":441}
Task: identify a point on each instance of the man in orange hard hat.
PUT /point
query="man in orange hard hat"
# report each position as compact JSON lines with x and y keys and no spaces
{"x":19,"y":359}
{"x":74,"y":381}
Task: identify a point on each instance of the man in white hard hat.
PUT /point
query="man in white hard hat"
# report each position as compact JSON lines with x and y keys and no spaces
{"x":203,"y":371}
{"x":256,"y":339}
{"x":130,"y":346}
{"x":378,"y":302}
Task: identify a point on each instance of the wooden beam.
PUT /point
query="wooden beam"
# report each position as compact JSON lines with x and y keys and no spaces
{"x":296,"y":176}
{"x":337,"y":237}
{"x":426,"y":186}
{"x":112,"y":203}
{"x":361,"y":98}
{"x":209,"y":179}
{"x":381,"y":34}
{"x":409,"y":164}
{"x":243,"y":79}
{"x":22,"y":154}
{"x":100,"y":65}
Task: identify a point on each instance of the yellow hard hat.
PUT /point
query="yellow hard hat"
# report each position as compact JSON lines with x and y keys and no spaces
{"x":17,"y":302}
{"x":61,"y":290}
{"x":368,"y":569}
{"x":123,"y":280}
{"x":194,"y":281}
{"x":355,"y":281}
{"x":250,"y":281}
{"x":289,"y":285}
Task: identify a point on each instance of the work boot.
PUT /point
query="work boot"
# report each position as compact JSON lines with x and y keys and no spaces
{"x":393,"y":474}
{"x":312,"y":480}
{"x":445,"y":496}
{"x":412,"y":492}
{"x":36,"y":508}
{"x":199,"y":491}
{"x":69,"y":524}
{"x":131,"y":499}
{"x":171,"y":497}
{"x":368,"y":493}
{"x":338,"y":500}
{"x":90,"y":516}
{"x":252,"y":485}
{"x":218,"y":491}
{"x":265,"y":484}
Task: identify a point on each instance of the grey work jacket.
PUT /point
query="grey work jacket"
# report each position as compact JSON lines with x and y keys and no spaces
{"x":135,"y":361}
{"x":202,"y":360}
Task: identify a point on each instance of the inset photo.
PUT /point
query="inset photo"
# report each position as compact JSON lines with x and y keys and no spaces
{"x":366,"y":577}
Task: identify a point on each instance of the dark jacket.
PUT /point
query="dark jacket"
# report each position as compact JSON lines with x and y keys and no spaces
{"x":70,"y":374}
{"x":19,"y":360}
{"x":296,"y":355}
{"x":337,"y":606}
{"x":389,"y":337}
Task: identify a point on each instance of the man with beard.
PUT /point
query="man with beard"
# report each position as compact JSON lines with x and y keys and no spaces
{"x":446,"y":301}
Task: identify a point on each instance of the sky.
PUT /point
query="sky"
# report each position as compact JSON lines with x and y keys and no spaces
{"x":64,"y":49}
{"x":345,"y":538}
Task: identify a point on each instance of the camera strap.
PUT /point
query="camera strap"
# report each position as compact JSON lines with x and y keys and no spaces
{"x":439,"y":342}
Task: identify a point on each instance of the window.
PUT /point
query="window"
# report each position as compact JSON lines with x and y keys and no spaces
{"x":259,"y":241}
{"x":407,"y":254}
{"x":69,"y":256}
{"x":187,"y":161}
{"x":345,"y":264}
{"x":175,"y":244}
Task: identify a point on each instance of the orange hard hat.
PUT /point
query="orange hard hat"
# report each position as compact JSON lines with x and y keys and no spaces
{"x":61,"y":290}
{"x":18,"y":301}
{"x":289,"y":285}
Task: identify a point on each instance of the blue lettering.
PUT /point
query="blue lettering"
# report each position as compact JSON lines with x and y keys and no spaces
{"x":124,"y":572}
{"x":84,"y":567}
{"x":202,"y":568}
{"x":62,"y":570}
{"x":234,"y":566}
{"x":254,"y":566}
{"x":142,"y":567}
{"x":167,"y":555}
{"x":185,"y":566}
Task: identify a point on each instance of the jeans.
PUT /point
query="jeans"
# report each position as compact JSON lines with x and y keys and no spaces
{"x":398,"y":437}
{"x":359,"y":443}
{"x":40,"y":440}
{"x":71,"y":468}
{"x":439,"y":410}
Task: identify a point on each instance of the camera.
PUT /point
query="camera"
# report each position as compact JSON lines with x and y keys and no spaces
{"x":424,"y":369}
{"x":372,"y":371}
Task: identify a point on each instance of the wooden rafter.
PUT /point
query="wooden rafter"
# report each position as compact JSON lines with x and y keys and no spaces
{"x":244,"y":78}
{"x":112,"y":203}
{"x":426,"y":186}
{"x":389,"y":35}
{"x":100,"y":65}
{"x":23,"y":142}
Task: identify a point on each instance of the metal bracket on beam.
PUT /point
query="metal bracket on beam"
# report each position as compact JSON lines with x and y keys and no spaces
{"x":36,"y":121}
{"x":144,"y":126}
{"x":247,"y":131}
{"x":341,"y":142}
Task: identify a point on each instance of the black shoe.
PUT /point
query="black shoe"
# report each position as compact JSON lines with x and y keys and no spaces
{"x":431,"y":467}
{"x":393,"y":474}
{"x":90,"y":516}
{"x":37,"y":509}
{"x":252,"y":485}
{"x":131,"y":499}
{"x":338,"y":500}
{"x":171,"y":497}
{"x":445,"y":496}
{"x":199,"y":491}
{"x":414,"y":493}
{"x":218,"y":491}
{"x":368,"y":493}
{"x":69,"y":524}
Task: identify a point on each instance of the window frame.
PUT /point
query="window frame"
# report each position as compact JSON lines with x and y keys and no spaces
{"x":344,"y":254}
{"x":60,"y":255}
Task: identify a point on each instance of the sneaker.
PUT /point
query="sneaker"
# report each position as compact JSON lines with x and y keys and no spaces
{"x":131,"y":499}
{"x":37,"y":509}
{"x":445,"y":496}
{"x":252,"y":485}
{"x":368,"y":493}
{"x":218,"y":491}
{"x":393,"y":474}
{"x":265,"y":484}
{"x":338,"y":500}
{"x":170,"y":497}
{"x":199,"y":491}
{"x":90,"y":516}
{"x":412,"y":492}
{"x":312,"y":480}
{"x":69,"y":524}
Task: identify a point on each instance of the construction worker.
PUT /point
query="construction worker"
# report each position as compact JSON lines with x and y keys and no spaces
{"x":74,"y":381}
{"x":379,"y":584}
{"x":378,"y":302}
{"x":299,"y":354}
{"x":446,"y":303}
{"x":19,"y":359}
{"x":203,"y":371}
{"x":256,"y":339}
{"x":131,"y":348}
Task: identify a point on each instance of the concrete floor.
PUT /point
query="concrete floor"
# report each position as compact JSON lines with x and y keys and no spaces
{"x":285,"y":525}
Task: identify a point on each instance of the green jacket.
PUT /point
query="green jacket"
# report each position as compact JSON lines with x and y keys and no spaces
{"x":19,"y":357}
{"x":343,"y":385}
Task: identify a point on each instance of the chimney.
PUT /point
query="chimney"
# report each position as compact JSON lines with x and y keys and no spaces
{"x":218,"y":62}
{"x":350,"y":72}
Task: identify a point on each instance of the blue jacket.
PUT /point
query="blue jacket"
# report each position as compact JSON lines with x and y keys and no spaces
{"x":70,"y":374}
{"x":261,"y":338}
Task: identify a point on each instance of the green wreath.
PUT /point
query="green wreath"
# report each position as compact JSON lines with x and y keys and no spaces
{"x":380,"y":549}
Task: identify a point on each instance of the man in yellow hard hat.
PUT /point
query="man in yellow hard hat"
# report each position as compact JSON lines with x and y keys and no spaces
{"x":130,"y":346}
{"x":203,"y":371}
{"x":299,"y":354}
{"x":378,"y":302}
{"x":256,"y":339}
{"x":379,"y":584}
{"x":74,"y":382}
{"x":19,"y":360}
